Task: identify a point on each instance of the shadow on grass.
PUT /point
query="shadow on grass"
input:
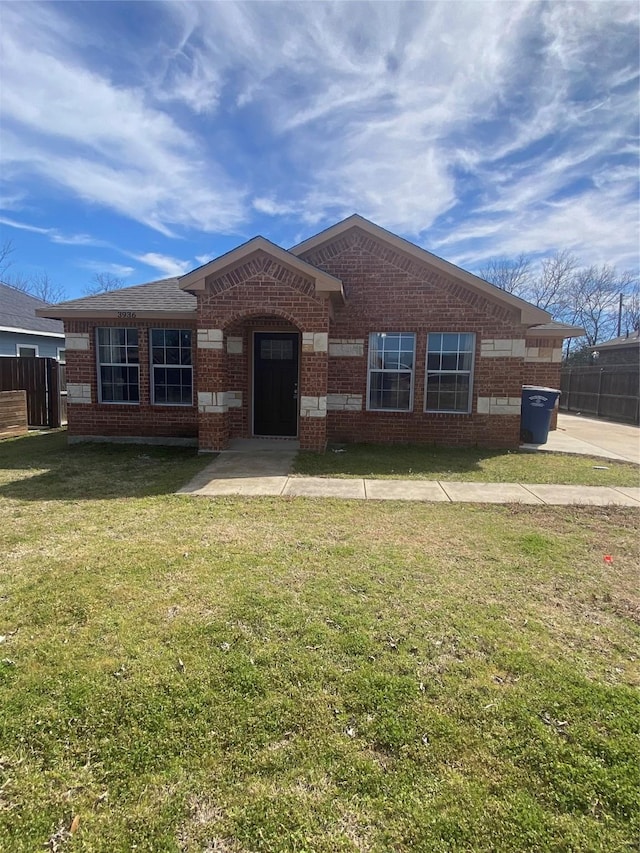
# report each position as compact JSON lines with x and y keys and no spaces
{"x":398,"y":460}
{"x":43,"y":467}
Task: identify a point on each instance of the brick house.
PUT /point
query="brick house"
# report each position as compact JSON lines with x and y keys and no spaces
{"x":353,"y":335}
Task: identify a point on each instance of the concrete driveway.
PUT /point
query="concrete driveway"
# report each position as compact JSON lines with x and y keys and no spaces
{"x":576,"y":434}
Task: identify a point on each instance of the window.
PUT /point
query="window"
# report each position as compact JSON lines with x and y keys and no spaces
{"x":172,"y":379}
{"x":27,"y":352}
{"x":449,"y":371}
{"x":391,"y":363}
{"x":118,"y":370}
{"x":62,"y":355}
{"x":275,"y":349}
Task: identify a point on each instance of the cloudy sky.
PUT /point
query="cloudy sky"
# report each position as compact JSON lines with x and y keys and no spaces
{"x":142,"y":139}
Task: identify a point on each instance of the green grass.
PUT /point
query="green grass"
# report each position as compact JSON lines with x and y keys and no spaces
{"x":425,"y":462}
{"x":307,"y":675}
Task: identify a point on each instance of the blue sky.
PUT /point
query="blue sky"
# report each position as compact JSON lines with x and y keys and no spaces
{"x":142,"y":139}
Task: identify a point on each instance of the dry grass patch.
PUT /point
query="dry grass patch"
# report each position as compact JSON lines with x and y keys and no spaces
{"x":276,"y":675}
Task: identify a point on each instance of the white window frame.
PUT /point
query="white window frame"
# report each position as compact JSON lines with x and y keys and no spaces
{"x":469,"y":373}
{"x":100,"y":364}
{"x":64,"y":350}
{"x":152,"y":367}
{"x":27,"y":346}
{"x":371,"y":370}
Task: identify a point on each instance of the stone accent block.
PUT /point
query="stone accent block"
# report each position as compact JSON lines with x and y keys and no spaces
{"x":77,"y":341}
{"x":543,"y":355}
{"x":346,"y":347}
{"x":499,"y":405}
{"x":218,"y":402}
{"x":234,"y":399}
{"x":78,"y":393}
{"x":210,"y":338}
{"x":313,"y":407}
{"x":315,"y":341}
{"x":234,"y":346}
{"x":344,"y":402}
{"x":502,"y":348}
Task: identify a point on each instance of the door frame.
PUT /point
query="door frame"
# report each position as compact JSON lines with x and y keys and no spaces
{"x":258,"y":331}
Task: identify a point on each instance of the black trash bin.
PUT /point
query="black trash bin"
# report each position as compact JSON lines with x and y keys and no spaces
{"x":538,"y":404}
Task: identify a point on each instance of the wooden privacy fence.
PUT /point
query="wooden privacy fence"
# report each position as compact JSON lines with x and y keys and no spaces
{"x":610,"y":391}
{"x":13,"y":413}
{"x":40,"y":378}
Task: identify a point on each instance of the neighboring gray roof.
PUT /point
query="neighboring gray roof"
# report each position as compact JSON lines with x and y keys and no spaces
{"x":18,"y":311}
{"x":630,"y":340}
{"x":156,"y":296}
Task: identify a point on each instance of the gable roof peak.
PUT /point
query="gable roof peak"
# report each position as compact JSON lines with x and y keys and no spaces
{"x":529,"y":314}
{"x":324,"y":282}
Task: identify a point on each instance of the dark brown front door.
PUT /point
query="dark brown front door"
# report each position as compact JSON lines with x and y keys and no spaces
{"x":275,"y":383}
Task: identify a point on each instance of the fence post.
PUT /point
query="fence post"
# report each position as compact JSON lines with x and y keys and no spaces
{"x":53,"y":394}
{"x":599,"y":392}
{"x":569,"y":390}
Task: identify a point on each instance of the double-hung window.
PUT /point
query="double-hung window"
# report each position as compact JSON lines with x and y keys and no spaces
{"x":172,"y":379}
{"x":449,"y":371}
{"x":391,"y":368}
{"x":118,"y":365}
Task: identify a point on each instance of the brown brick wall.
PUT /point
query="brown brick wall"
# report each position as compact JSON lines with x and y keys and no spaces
{"x":111,"y":419}
{"x":387,"y":291}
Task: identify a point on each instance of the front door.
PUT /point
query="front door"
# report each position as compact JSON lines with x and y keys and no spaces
{"x":275,"y":383}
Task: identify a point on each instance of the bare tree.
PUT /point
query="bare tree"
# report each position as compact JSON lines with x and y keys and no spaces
{"x":581,"y":296}
{"x":514,"y":276}
{"x":593,"y":301}
{"x":39,"y":285}
{"x":549,"y":289}
{"x":103,"y":282}
{"x":42,"y":287}
{"x":631,"y":310}
{"x":6,"y":250}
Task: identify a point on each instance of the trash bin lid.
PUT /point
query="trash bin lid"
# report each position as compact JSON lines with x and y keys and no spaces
{"x":540,"y":388}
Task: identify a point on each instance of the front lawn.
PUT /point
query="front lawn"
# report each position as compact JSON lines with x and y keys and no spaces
{"x":426,"y":462}
{"x":236,"y":675}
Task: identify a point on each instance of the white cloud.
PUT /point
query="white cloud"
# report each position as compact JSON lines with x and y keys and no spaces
{"x":166,"y":265}
{"x":120,"y":270}
{"x":24,"y":226}
{"x":270,"y":207}
{"x":104,"y":142}
{"x":53,"y":234}
{"x":479,"y":127}
{"x":77,"y":240}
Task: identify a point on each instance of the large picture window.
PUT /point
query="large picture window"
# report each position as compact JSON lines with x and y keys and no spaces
{"x":449,"y":371}
{"x":172,"y":379}
{"x":391,"y":366}
{"x":118,"y":365}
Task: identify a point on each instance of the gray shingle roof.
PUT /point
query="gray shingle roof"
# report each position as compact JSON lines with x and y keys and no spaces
{"x":162,"y":295}
{"x":630,"y":340}
{"x":18,"y":311}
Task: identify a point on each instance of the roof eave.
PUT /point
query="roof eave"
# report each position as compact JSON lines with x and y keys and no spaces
{"x":560,"y":330}
{"x":114,"y":314}
{"x":327,"y":286}
{"x":18,"y":330}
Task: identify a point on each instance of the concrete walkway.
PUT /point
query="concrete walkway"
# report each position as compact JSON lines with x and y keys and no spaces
{"x":592,"y":437}
{"x":267,"y":473}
